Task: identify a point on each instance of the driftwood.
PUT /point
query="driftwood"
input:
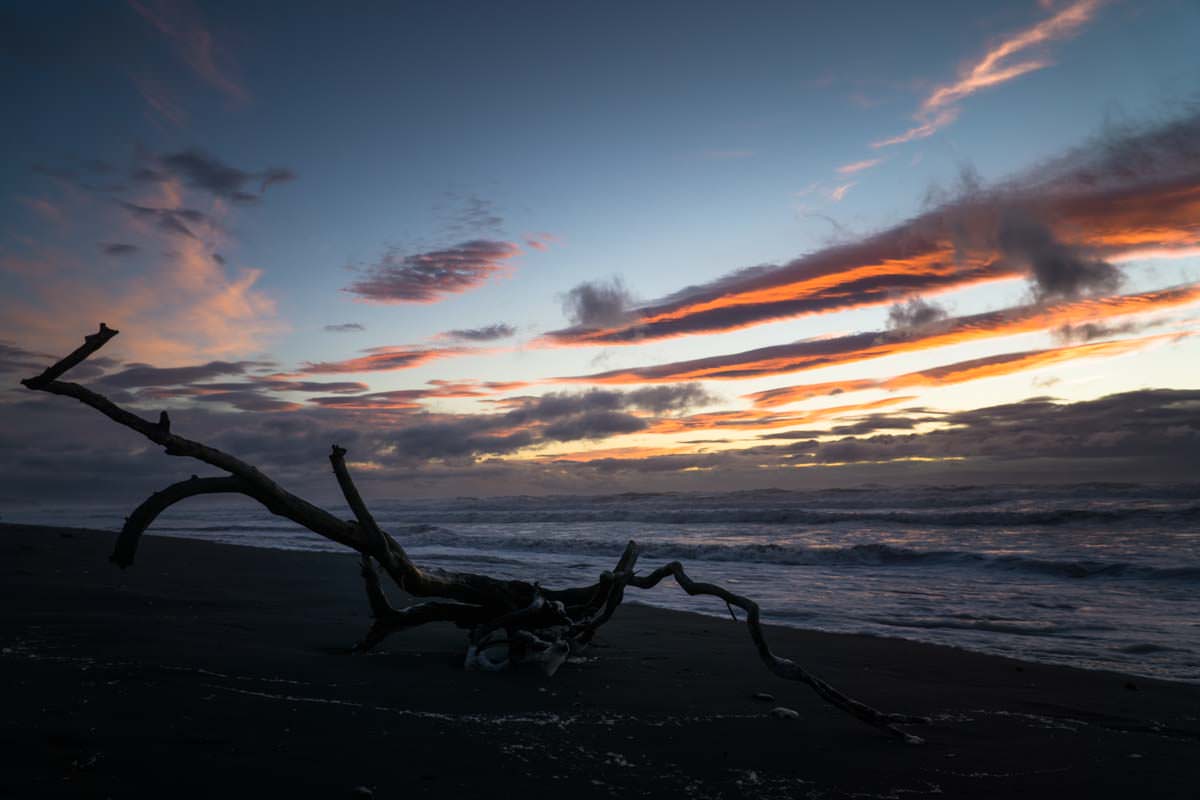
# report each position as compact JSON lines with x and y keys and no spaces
{"x":508,"y":622}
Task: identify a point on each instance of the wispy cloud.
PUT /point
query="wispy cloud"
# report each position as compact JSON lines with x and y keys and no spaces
{"x":161,"y":100}
{"x":858,"y":166}
{"x":486,"y":333}
{"x":838,"y":193}
{"x":963,"y":371}
{"x":183,"y":25}
{"x":119,"y":248}
{"x":995,"y":67}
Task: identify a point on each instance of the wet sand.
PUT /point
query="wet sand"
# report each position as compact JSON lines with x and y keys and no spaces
{"x":208,"y":670}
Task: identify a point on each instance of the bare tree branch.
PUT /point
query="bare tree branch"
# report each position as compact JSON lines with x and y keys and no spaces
{"x":91,"y":343}
{"x":531,"y":624}
{"x":783,"y":667}
{"x":144,"y":515}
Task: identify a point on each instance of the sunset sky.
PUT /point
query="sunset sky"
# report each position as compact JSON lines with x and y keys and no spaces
{"x":584,"y":247}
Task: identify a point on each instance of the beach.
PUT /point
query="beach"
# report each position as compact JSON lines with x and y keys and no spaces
{"x":217,"y":670}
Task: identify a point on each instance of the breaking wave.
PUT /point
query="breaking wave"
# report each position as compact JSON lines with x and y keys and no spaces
{"x":874,"y":555}
{"x":800,"y":516}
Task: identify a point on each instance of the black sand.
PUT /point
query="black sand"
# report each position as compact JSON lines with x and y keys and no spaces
{"x":213,"y":671}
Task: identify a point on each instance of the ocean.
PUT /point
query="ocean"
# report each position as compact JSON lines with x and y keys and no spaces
{"x":1100,"y":576}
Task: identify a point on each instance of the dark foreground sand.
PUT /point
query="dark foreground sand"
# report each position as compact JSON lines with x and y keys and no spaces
{"x":211,"y":671}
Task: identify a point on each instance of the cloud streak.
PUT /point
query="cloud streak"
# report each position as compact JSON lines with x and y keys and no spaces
{"x":858,"y":166}
{"x":385,"y":359}
{"x":963,"y":371}
{"x":487,"y":333}
{"x":816,"y":353}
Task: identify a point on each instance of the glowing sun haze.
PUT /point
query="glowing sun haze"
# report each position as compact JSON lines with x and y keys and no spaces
{"x":537,"y":247}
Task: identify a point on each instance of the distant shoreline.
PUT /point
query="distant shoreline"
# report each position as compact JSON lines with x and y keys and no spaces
{"x":204,"y":670}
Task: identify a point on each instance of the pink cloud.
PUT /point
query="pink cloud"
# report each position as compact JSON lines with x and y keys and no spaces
{"x":858,"y":166}
{"x":428,"y":277}
{"x":993,"y":68}
{"x":182,"y":23}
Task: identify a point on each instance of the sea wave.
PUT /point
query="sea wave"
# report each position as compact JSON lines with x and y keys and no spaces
{"x":862,"y":555}
{"x":801,"y":516}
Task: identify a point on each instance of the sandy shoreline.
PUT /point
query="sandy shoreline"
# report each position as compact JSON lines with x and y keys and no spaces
{"x":211,"y":670}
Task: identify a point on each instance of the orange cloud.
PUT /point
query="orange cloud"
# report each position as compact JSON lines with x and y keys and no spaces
{"x":183,"y":309}
{"x":962,"y":371}
{"x":754,"y":419}
{"x":928,"y":128}
{"x":786,"y":395}
{"x":939,"y":109}
{"x":386,"y":359}
{"x":816,"y":353}
{"x":584,"y":456}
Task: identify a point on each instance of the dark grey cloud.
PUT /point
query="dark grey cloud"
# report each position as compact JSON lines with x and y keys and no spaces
{"x":1151,"y":435}
{"x":345,"y":327}
{"x":119,"y":249}
{"x":243,"y":397}
{"x":487,"y":333}
{"x":311,"y":387}
{"x":531,"y":421}
{"x":916,"y":312}
{"x":872,"y":423}
{"x":427,"y":277}
{"x":171,"y":220}
{"x":25,"y":363}
{"x":192,"y":166}
{"x":676,"y":398}
{"x":55,"y":450}
{"x":201,"y":170}
{"x":1089,"y":331}
{"x":144,"y":375}
{"x":460,"y":439}
{"x":598,"y":304}
{"x":1058,"y":271}
{"x":475,"y":217}
{"x":14,"y":358}
{"x":593,"y":425}
{"x":1159,"y":425}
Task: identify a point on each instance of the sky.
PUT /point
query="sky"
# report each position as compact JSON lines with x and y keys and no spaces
{"x":525,"y":248}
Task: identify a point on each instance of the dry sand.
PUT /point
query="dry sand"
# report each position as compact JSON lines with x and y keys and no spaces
{"x":216,"y":671}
